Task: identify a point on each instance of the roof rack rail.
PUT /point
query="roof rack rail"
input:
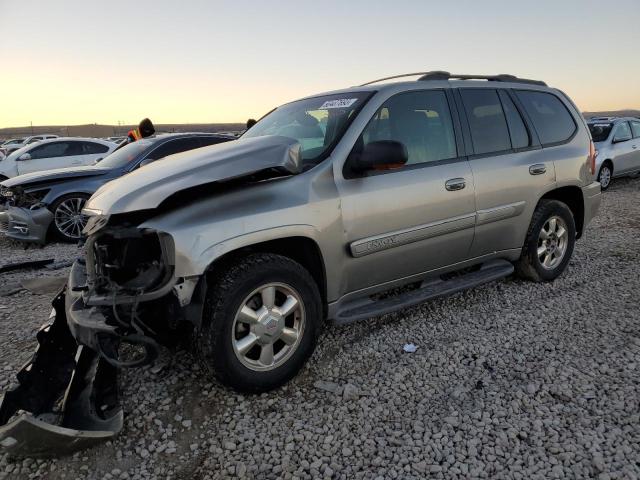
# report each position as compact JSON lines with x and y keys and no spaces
{"x":441,"y":75}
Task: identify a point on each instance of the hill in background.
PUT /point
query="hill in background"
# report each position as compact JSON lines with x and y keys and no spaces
{"x":613,"y":113}
{"x":97,"y":130}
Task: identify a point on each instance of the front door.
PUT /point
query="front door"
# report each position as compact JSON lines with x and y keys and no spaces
{"x":45,"y":157}
{"x":412,"y":219}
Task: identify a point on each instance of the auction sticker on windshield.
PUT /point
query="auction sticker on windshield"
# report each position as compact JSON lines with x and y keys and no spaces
{"x":340,"y":103}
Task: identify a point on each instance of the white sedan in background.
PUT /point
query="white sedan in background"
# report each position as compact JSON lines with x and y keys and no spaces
{"x":55,"y":153}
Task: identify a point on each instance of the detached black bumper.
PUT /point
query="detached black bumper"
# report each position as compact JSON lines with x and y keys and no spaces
{"x":67,"y":398}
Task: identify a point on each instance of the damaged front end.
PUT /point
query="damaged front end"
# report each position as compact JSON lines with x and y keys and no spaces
{"x":24,"y":217}
{"x":106,"y":318}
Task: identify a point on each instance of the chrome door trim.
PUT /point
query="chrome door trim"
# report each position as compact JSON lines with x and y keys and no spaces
{"x":377,"y":243}
{"x":501,"y":212}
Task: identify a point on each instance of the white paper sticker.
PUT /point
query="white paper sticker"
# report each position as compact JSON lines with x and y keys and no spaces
{"x":341,"y":103}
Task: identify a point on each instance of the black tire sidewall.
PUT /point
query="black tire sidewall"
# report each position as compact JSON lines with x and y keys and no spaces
{"x":550,"y":209}
{"x":218,"y":330}
{"x":57,"y":234}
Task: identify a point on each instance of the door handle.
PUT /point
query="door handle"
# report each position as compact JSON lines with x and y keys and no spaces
{"x":455,"y":184}
{"x":537,"y":169}
{"x":634,"y":147}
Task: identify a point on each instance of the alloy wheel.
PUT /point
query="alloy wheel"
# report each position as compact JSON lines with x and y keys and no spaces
{"x":552,"y":242}
{"x":69,"y":219}
{"x":605,"y":177}
{"x":268,"y":326}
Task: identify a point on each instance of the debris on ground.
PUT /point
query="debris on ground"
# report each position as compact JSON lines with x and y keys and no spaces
{"x":410,"y":348}
{"x":330,"y":387}
{"x":10,"y":267}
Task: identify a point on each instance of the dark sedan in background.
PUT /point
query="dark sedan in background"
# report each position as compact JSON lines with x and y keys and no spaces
{"x":51,"y":202}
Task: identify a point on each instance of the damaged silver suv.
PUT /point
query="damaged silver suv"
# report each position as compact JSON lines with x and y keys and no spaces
{"x":434,"y":185}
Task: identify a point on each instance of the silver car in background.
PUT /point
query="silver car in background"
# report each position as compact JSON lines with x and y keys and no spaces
{"x":617,"y":142}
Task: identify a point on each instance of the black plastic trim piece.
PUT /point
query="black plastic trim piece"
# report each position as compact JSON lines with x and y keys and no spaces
{"x":367,"y":308}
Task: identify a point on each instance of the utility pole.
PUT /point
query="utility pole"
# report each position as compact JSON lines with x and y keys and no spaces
{"x":31,"y":127}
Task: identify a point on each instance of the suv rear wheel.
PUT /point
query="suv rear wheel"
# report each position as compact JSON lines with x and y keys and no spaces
{"x":549,"y":243}
{"x":260,"y":323}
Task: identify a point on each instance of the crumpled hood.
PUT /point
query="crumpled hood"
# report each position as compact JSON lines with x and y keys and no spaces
{"x":149,"y":186}
{"x":46,"y":176}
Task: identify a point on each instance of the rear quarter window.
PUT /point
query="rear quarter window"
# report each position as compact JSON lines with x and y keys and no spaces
{"x":549,"y":115}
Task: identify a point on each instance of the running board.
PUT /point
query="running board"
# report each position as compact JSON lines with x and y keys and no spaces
{"x":361,"y":309}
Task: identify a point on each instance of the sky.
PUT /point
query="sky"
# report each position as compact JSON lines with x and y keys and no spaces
{"x":68,"y":62}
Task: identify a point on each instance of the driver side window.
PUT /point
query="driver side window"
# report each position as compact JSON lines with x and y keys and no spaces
{"x":623,"y":132}
{"x":50,"y":150}
{"x":420,"y":120}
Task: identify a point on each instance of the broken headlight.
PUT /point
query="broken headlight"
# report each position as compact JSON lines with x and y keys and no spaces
{"x":130,"y":261}
{"x":19,"y":198}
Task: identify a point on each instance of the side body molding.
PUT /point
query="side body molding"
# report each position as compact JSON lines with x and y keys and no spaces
{"x":502,"y":212}
{"x":377,"y":243}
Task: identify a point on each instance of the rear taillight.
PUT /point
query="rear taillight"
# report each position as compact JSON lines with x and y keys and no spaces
{"x":592,"y":158}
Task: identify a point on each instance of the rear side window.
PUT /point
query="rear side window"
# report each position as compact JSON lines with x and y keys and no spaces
{"x":550,"y":117}
{"x":635,"y":128}
{"x":175,"y":146}
{"x":489,"y":131}
{"x":519,"y":134}
{"x":206,"y":141}
{"x":90,"y":148}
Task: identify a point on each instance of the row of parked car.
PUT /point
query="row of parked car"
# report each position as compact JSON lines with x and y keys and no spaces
{"x":46,"y":183}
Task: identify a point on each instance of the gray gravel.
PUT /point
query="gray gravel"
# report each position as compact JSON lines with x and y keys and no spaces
{"x":510,"y":380}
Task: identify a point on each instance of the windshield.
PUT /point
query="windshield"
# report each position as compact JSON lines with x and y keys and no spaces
{"x":124,"y":155}
{"x":600,"y":131}
{"x":316,"y":123}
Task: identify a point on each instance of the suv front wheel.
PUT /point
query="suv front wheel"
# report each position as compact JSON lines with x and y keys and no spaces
{"x":260,"y":323}
{"x":549,"y":244}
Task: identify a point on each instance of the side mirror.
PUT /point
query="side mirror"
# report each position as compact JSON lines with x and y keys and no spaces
{"x":24,"y":156}
{"x":380,"y":155}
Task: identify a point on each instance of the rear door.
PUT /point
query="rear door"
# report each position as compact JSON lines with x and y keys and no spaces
{"x":416,"y":218}
{"x":46,"y":157}
{"x":635,"y":144}
{"x":508,"y":165}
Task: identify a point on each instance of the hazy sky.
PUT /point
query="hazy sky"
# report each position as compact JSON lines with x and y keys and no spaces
{"x":77,"y":61}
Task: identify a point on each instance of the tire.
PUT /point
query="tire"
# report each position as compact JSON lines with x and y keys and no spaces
{"x":61,"y":209}
{"x":605,"y":175}
{"x":225,"y":332}
{"x":547,"y":266}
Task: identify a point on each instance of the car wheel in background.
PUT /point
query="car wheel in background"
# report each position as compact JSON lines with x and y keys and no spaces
{"x":605,"y":175}
{"x":549,"y":243}
{"x":260,"y":323}
{"x":68,"y":221}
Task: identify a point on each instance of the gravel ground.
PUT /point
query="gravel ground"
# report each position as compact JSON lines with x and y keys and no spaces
{"x":510,"y":380}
